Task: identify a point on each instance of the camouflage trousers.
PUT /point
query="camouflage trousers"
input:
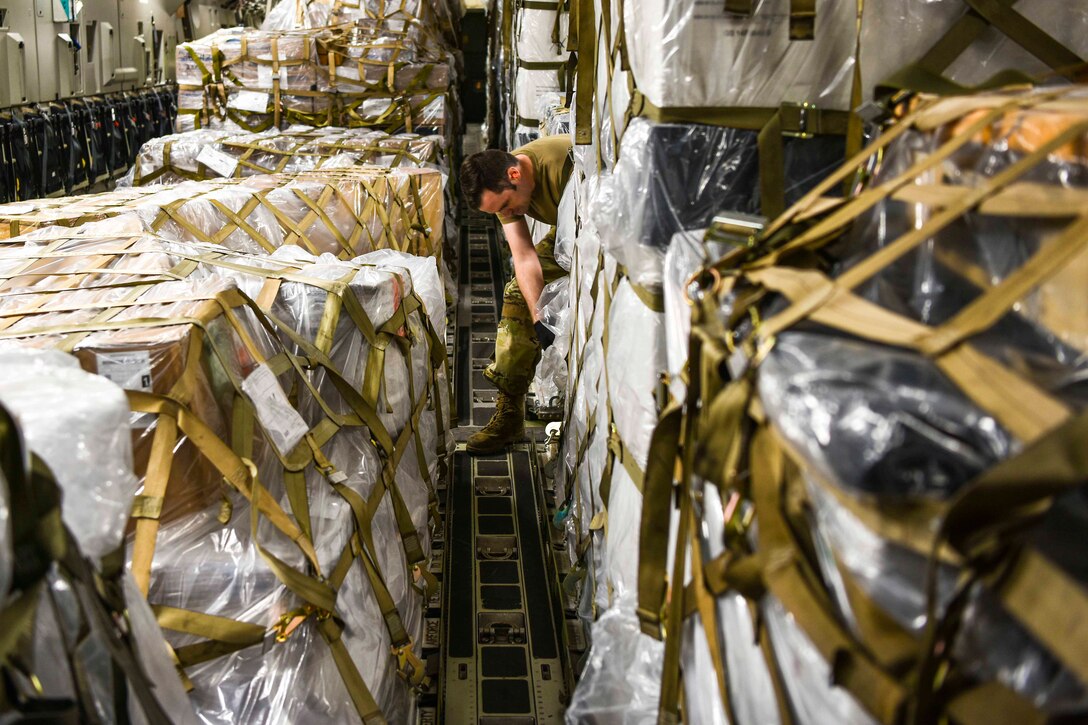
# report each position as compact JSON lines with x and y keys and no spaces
{"x":517,"y":350}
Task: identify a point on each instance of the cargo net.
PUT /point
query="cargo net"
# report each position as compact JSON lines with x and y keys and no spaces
{"x":288,"y":417}
{"x":217,"y":153}
{"x":383,"y":74}
{"x":341,"y":211}
{"x":880,"y":448}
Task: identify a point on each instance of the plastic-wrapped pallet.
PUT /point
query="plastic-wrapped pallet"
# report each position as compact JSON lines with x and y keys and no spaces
{"x":77,"y":424}
{"x":228,"y":385}
{"x":670,"y":179}
{"x":685,"y":54}
{"x":585,"y":438}
{"x":252,"y":80}
{"x":428,"y":112}
{"x":210,"y":154}
{"x":346,"y":211}
{"x":304,"y":307}
{"x":934,"y":368}
{"x":21,"y":217}
{"x":540,"y":63}
{"x":353,"y":76}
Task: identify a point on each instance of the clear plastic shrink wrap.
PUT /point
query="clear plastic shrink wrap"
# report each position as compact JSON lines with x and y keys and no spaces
{"x":885,"y":439}
{"x":245,"y":79}
{"x":236,"y":581}
{"x":688,"y":252}
{"x":585,"y":445}
{"x":553,"y":309}
{"x":77,"y":423}
{"x":429,"y":22}
{"x":382,"y":72}
{"x":697,"y":54}
{"x":676,"y":177}
{"x":621,"y":680}
{"x":539,"y":34}
{"x":749,"y":680}
{"x":210,"y":154}
{"x":343,"y":211}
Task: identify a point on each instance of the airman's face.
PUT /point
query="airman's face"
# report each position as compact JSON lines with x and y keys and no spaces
{"x":508,"y":202}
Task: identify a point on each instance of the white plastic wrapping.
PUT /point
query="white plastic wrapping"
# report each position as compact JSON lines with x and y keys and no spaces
{"x":553,"y":310}
{"x":806,"y":675}
{"x":635,"y":359}
{"x":535,"y":34}
{"x":687,"y":253}
{"x":78,"y":424}
{"x":622,"y":678}
{"x":585,"y":443}
{"x":751,"y":689}
{"x":692,"y":53}
{"x":566,"y":228}
{"x":217,"y":153}
{"x":529,"y":85}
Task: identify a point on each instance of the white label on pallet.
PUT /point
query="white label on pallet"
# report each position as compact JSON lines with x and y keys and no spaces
{"x":253,"y":101}
{"x":131,"y":370}
{"x":217,"y":161}
{"x":282,"y":422}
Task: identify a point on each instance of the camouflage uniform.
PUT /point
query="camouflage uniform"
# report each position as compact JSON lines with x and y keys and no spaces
{"x":517,"y":351}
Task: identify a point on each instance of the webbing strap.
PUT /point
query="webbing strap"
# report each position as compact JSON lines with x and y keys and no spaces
{"x":535,"y":65}
{"x":222,"y":635}
{"x":794,"y":118}
{"x":788,"y":576}
{"x":654,"y":526}
{"x":586,"y":39}
{"x":927,"y":74}
{"x":802,"y":19}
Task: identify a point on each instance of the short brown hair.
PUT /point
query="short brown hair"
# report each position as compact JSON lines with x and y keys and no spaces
{"x":486,"y":171}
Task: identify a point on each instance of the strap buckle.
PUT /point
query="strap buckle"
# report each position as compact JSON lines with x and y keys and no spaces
{"x":409,"y":665}
{"x":286,"y":625}
{"x":797,"y":117}
{"x":652,"y":623}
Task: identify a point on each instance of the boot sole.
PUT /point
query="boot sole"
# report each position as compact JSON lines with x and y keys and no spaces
{"x":476,"y":450}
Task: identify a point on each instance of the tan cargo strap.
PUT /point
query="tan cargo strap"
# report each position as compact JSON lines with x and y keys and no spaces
{"x":787,"y":577}
{"x":654,"y":299}
{"x":534,"y":65}
{"x":813,"y":198}
{"x":222,"y":635}
{"x":657,"y":504}
{"x":582,"y":26}
{"x":926,"y":75}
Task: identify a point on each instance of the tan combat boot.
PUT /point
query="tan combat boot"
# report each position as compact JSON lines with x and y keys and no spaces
{"x":506,"y":426}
